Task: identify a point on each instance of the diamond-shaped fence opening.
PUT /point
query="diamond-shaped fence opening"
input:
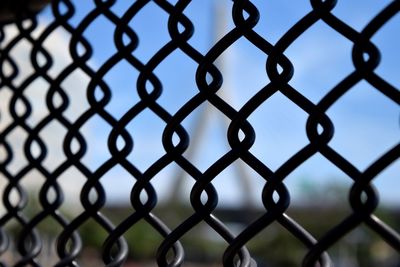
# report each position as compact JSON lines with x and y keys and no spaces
{"x":199,"y":133}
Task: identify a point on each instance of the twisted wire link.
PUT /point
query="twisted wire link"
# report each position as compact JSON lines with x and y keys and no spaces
{"x":203,"y":212}
{"x":142,"y":210}
{"x":275,"y":208}
{"x":91,"y":207}
{"x":50,"y":208}
{"x":63,"y":11}
{"x":364,"y":69}
{"x":8,"y":157}
{"x":28,"y":243}
{"x":148,"y":100}
{"x":209,"y":80}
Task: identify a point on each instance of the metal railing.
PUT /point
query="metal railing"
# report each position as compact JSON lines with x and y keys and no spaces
{"x":25,"y":150}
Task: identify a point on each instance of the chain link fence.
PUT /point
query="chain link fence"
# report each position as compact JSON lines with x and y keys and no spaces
{"x":59,"y":79}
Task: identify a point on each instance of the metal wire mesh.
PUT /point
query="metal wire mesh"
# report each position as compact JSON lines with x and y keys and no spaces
{"x":241,"y":134}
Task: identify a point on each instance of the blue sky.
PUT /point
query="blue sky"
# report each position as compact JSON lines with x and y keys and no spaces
{"x":366,"y":122}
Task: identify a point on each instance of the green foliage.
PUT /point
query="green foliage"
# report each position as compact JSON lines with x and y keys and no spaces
{"x":143,"y":241}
